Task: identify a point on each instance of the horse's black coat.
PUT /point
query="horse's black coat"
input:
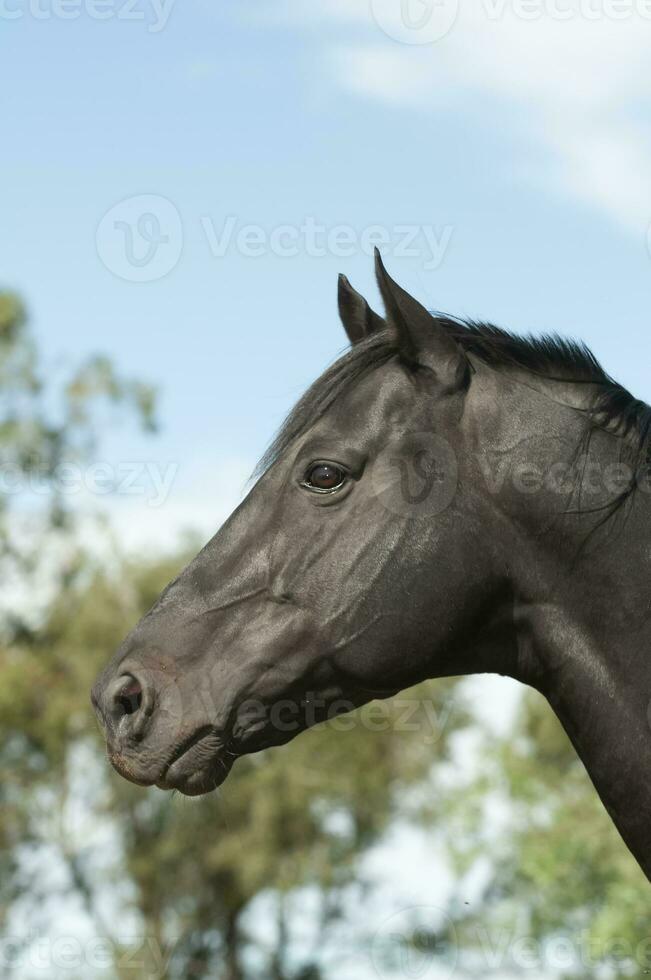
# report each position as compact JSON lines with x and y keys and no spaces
{"x":527,"y":554}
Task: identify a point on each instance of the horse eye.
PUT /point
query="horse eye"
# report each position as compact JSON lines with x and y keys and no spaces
{"x":324,"y":477}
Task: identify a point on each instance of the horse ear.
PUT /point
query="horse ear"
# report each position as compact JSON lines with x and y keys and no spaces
{"x":358,"y":318}
{"x":423,"y":341}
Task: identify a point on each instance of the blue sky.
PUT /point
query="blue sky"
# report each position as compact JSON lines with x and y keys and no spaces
{"x":518,"y":145}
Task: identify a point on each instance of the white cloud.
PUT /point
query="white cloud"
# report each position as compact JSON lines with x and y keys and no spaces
{"x":576,"y":73}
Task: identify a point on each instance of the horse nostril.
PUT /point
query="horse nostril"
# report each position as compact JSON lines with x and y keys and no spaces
{"x":124,"y":705}
{"x":128,"y":698}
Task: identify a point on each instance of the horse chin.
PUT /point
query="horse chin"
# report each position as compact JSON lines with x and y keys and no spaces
{"x":197,"y":766}
{"x":196,"y":783}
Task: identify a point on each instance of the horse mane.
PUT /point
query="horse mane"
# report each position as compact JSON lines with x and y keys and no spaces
{"x":549,"y":356}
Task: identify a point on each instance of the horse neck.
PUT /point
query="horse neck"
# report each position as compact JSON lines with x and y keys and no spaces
{"x":575,"y":613}
{"x":582,"y":616}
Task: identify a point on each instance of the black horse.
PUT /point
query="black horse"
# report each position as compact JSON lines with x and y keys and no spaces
{"x":446,"y":499}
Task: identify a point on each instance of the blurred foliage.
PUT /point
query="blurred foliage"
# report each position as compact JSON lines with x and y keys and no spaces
{"x":563,"y":895}
{"x":46,"y":426}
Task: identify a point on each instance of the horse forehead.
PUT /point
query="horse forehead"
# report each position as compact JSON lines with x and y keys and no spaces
{"x":381,"y":396}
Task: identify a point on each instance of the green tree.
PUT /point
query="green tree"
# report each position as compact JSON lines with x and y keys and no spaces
{"x":43,"y":427}
{"x":563,"y":889}
{"x":46,"y":426}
